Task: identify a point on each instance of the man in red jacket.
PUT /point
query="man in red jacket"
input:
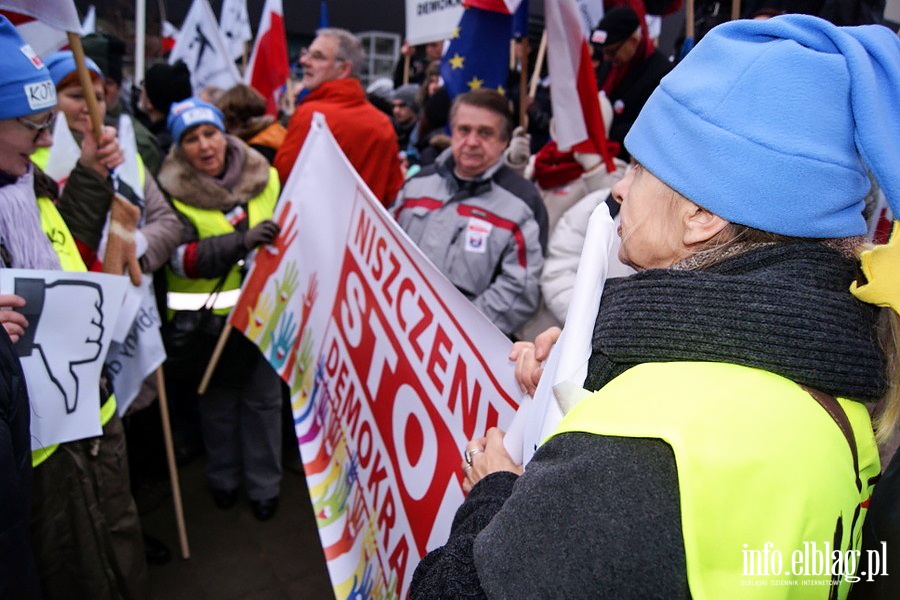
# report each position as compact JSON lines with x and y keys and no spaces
{"x":365,"y":134}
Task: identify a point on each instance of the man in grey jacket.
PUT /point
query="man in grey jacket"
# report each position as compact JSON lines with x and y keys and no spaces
{"x":479,"y":222}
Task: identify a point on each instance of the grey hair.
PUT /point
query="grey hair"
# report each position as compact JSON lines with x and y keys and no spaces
{"x":349,"y":48}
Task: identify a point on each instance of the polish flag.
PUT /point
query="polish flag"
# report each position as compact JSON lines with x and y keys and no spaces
{"x":43,"y":38}
{"x":501,"y":6}
{"x":573,"y":87}
{"x":269,"y":68}
{"x":169,"y":36}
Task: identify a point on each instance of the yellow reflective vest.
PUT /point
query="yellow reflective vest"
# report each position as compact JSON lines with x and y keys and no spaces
{"x":63,"y":244}
{"x":766,"y":477}
{"x":185,"y":292}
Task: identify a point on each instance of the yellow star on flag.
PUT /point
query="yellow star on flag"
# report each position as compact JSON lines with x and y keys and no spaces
{"x":475,"y":83}
{"x":881,"y":266}
{"x":457,"y":61}
{"x":455,"y":34}
{"x":501,"y":90}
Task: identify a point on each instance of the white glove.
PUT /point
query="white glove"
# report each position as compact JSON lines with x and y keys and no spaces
{"x":587,"y":160}
{"x":140,"y":243}
{"x":519,"y":149}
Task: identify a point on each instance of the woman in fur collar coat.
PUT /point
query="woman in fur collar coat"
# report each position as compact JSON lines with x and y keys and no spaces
{"x":225,"y":194}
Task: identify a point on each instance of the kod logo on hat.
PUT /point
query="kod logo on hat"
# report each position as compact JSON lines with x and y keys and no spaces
{"x":40,"y":95}
{"x":201,"y":114}
{"x":599,"y":36}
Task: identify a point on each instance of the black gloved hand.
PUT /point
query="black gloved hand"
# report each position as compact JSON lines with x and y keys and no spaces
{"x":263,"y":233}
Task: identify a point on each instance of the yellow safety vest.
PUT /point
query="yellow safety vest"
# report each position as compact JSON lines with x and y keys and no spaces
{"x":190,"y":294}
{"x":763,"y":472}
{"x":55,"y":227}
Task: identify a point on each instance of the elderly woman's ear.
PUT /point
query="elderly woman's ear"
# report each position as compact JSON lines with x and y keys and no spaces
{"x":700,"y":225}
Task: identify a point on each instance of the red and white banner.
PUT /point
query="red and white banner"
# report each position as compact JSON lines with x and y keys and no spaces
{"x":269,"y":69}
{"x":391,"y":371}
{"x":577,"y":119}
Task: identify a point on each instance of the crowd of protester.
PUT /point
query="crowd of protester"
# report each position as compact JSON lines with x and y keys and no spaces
{"x":707,"y":272}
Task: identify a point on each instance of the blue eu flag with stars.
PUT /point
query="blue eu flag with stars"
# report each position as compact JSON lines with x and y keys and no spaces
{"x":478,"y":53}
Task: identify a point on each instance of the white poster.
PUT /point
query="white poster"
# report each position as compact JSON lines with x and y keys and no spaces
{"x":431,"y":20}
{"x":71,"y":317}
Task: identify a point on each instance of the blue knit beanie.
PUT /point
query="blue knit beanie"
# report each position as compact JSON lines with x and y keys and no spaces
{"x":62,"y":63}
{"x":25,"y":84}
{"x":191,"y":112}
{"x":772,"y":124}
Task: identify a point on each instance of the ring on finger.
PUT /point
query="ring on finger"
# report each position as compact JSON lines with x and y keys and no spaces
{"x":470,"y":453}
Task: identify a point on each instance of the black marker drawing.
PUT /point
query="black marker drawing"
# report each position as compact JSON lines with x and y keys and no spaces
{"x":85,"y":330}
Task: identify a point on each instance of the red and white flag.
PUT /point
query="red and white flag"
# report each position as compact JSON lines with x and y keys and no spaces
{"x":43,"y":23}
{"x":59,"y":14}
{"x":573,"y":87}
{"x":269,"y":68}
{"x":169,"y":36}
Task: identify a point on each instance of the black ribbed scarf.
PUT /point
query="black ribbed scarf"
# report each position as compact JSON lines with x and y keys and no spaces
{"x":784,"y":308}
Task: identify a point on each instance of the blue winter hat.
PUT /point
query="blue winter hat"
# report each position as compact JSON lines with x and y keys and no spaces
{"x":61,"y":63}
{"x":191,"y":112}
{"x":25,"y":84}
{"x":772,"y":124}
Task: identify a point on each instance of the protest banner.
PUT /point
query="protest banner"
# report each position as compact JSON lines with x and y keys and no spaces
{"x":71,"y":317}
{"x":431,"y":20}
{"x":390,"y":368}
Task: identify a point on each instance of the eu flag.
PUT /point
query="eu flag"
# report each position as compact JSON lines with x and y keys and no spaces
{"x":478,"y":54}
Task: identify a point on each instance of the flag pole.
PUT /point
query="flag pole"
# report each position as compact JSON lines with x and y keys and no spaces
{"x":538,"y":65}
{"x":140,"y":36}
{"x":735,"y":10}
{"x":214,"y":359}
{"x":85,"y":78}
{"x":173,"y":467}
{"x":524,"y":99}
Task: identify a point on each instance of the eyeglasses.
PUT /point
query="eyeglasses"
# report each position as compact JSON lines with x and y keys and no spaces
{"x":39,"y":128}
{"x":320,"y":57}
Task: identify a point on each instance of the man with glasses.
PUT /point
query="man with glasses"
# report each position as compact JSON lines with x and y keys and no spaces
{"x":630,"y":70}
{"x":331,"y":86}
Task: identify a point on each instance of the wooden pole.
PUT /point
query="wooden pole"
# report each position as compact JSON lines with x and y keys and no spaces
{"x":406,"y":59}
{"x":538,"y":65}
{"x":140,"y":35}
{"x":735,"y":10}
{"x":524,"y":97}
{"x":214,"y":359}
{"x":87,"y":87}
{"x":689,"y":20}
{"x":173,"y":467}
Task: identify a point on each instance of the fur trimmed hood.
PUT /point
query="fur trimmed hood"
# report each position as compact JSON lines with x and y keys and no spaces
{"x":246,"y":176}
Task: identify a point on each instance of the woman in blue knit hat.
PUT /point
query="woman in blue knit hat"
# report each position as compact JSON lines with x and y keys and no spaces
{"x":726,"y":450}
{"x":225,"y":194}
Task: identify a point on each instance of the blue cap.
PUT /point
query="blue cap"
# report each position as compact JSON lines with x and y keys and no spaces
{"x":190,"y":113}
{"x":25,"y":84}
{"x":773,"y":124}
{"x":62,"y":63}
